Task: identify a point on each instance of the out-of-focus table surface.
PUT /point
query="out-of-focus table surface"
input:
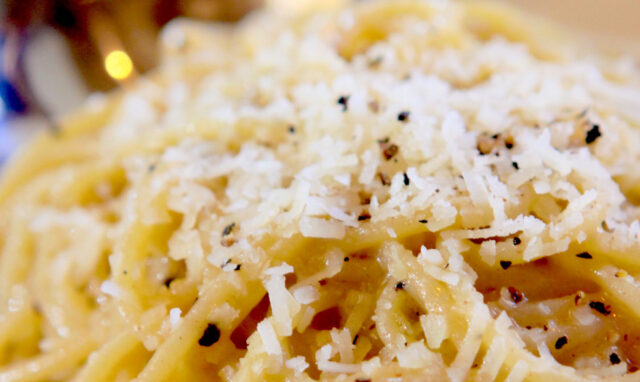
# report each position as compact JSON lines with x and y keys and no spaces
{"x":606,"y":22}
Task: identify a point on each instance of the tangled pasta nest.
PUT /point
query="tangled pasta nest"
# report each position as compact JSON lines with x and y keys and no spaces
{"x":393,"y":190}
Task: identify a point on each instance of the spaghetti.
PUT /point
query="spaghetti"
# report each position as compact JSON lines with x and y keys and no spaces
{"x":387,"y":191}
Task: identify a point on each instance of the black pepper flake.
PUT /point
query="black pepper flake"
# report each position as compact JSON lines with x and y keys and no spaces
{"x":516,"y":296}
{"x":405,"y":179}
{"x":423,"y":221}
{"x":364,"y":216}
{"x":346,"y":259}
{"x":227,"y":230}
{"x":227,"y":242}
{"x":495,"y":136}
{"x":593,"y":134}
{"x":210,"y":336}
{"x":515,"y":165}
{"x":600,"y":307}
{"x":237,"y":268}
{"x":516,"y":241}
{"x":508,"y":142}
{"x":365,"y":197}
{"x":614,"y":359}
{"x":343,"y":101}
{"x":505,"y":264}
{"x":390,"y":151}
{"x":384,"y":179}
{"x":400,"y":285}
{"x":355,"y":339}
{"x":584,"y":255}
{"x":292,"y":129}
{"x":560,"y":342}
{"x":403,"y":116}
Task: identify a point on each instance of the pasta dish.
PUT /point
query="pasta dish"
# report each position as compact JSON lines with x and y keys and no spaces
{"x":381,"y":191}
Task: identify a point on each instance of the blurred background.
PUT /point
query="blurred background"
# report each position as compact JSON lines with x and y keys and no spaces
{"x":54,"y":53}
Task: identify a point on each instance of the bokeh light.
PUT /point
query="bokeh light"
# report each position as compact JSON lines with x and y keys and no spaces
{"x":118,"y":65}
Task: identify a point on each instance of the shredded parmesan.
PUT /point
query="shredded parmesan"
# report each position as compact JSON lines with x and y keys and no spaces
{"x":269,"y":338}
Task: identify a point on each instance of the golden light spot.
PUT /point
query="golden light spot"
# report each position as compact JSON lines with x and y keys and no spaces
{"x":118,"y":65}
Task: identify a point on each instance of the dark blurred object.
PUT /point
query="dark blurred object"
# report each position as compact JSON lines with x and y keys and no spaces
{"x":14,"y":87}
{"x":111,"y":41}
